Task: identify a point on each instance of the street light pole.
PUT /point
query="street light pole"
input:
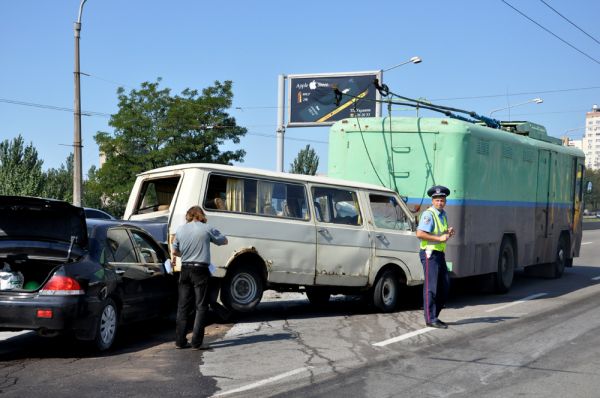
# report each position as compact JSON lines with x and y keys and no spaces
{"x":534,"y":100}
{"x":77,"y":172}
{"x":414,"y":60}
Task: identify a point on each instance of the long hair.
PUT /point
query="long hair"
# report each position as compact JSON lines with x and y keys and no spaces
{"x":195,"y":213}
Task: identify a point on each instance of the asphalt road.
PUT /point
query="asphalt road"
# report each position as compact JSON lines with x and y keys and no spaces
{"x":540,"y":339}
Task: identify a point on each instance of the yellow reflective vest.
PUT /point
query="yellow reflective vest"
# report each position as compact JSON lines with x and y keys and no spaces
{"x":440,"y":227}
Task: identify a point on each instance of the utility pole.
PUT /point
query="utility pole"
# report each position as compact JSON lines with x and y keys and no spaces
{"x":77,"y":172}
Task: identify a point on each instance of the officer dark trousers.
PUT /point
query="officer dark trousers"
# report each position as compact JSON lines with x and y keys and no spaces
{"x":436,"y":285}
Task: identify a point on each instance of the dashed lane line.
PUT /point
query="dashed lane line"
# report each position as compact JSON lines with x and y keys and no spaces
{"x":428,"y":329}
{"x":533,"y":296}
{"x":403,"y":337}
{"x":264,"y":382}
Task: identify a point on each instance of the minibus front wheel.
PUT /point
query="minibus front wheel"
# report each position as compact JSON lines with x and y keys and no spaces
{"x":386,"y":291}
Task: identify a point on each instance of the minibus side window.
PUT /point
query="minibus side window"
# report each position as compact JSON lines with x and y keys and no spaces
{"x":256,"y":196}
{"x":388,"y":214}
{"x":337,"y":206}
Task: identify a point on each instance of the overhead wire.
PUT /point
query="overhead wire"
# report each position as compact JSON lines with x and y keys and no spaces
{"x":571,"y":22}
{"x":550,"y":32}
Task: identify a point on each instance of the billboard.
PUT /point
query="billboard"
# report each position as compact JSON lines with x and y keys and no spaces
{"x":312,"y":99}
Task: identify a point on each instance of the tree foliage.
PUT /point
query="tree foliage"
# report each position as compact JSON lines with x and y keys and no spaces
{"x":591,"y":199}
{"x":154,"y":128}
{"x":59,"y":182}
{"x":306,"y":162}
{"x":20,"y":168}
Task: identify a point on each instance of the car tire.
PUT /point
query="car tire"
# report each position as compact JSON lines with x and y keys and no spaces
{"x":108,"y":324}
{"x":242,"y":289}
{"x":386,"y":291}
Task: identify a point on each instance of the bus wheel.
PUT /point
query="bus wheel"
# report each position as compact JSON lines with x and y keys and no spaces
{"x":242,"y":289}
{"x":317,"y":296}
{"x":560,"y":261}
{"x":506,"y":267}
{"x":386,"y":291}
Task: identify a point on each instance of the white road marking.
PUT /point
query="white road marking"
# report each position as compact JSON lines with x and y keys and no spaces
{"x":264,"y":382}
{"x":533,"y":296}
{"x":596,"y":278}
{"x":8,"y":335}
{"x":586,"y":243}
{"x":403,"y":337}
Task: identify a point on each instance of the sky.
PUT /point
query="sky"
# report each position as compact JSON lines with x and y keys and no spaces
{"x":479,"y":55}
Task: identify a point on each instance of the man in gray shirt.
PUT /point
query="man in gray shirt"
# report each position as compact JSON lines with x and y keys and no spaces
{"x":192,"y":244}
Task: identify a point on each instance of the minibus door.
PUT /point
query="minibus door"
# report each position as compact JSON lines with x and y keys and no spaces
{"x":343,"y":242}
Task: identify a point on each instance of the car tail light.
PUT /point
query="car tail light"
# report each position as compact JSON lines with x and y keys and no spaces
{"x":60,"y":285}
{"x":43,"y":313}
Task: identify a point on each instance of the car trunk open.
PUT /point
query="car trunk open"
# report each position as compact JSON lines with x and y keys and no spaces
{"x":37,"y":236}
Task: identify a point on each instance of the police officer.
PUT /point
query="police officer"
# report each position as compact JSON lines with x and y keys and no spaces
{"x":433,"y":231}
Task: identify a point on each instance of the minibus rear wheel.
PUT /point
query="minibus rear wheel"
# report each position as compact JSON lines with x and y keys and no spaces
{"x":242,"y":289}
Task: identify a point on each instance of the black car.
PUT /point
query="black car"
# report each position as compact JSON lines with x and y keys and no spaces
{"x":97,"y":213}
{"x":71,"y":276}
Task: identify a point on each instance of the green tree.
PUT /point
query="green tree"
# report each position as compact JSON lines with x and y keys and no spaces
{"x":307,"y":162}
{"x":154,"y":128}
{"x":591,"y":200}
{"x":59,"y":182}
{"x":20,"y":168}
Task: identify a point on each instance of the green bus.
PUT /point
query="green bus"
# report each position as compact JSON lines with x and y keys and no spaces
{"x":516,"y":193}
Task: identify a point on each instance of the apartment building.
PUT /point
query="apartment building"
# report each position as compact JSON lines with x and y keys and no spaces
{"x":591,"y":139}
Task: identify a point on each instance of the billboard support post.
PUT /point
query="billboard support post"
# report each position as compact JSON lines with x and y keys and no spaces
{"x":280,"y":120}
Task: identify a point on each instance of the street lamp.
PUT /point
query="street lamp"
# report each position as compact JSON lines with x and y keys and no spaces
{"x":77,"y":173}
{"x":414,"y":60}
{"x":534,"y":100}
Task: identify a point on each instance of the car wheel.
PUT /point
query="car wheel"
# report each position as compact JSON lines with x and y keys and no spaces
{"x":386,"y":291}
{"x":243,"y":289}
{"x":107,"y":325}
{"x":503,"y":277}
{"x":317,"y":296}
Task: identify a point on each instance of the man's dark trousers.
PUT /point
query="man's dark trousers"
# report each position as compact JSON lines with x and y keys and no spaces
{"x":436,"y":284}
{"x":193,"y":288}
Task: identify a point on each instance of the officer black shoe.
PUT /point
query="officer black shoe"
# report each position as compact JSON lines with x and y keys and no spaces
{"x":437,"y":324}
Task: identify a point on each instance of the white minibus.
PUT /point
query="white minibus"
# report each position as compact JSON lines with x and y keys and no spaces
{"x":289,"y":232}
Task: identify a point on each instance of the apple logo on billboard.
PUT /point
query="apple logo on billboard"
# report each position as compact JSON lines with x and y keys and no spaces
{"x":312,"y":85}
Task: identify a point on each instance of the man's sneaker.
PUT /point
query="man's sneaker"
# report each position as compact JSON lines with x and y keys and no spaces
{"x":182,"y":346}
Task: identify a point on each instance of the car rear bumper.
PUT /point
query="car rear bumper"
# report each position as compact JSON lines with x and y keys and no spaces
{"x":62,"y":312}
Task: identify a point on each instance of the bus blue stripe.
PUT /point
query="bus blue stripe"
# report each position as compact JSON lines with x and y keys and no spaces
{"x":489,"y":203}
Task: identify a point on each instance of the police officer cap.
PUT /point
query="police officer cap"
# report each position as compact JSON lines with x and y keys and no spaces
{"x":438,"y":190}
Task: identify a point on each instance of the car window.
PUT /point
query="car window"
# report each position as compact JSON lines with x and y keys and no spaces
{"x":120,"y":246}
{"x":337,"y":206}
{"x":148,"y":250}
{"x":388,"y":214}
